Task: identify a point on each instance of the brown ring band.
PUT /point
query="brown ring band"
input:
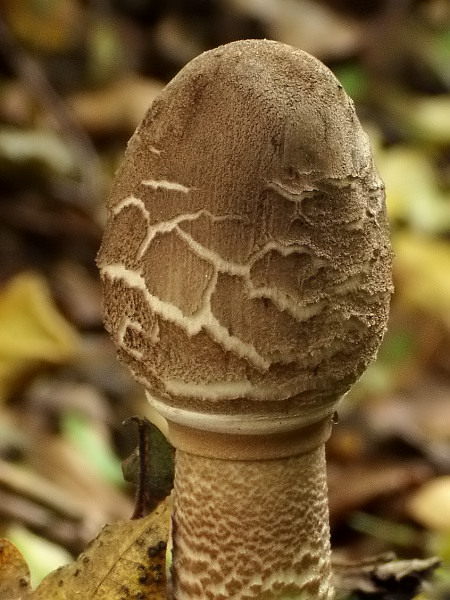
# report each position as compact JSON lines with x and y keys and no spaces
{"x":228,"y":446}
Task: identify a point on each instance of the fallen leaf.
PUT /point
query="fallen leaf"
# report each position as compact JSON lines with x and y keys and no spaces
{"x":107,"y":51}
{"x":51,"y":26}
{"x":430,"y":506}
{"x":32,"y":329}
{"x":92,"y":441}
{"x":422,"y":266}
{"x":379,"y":528}
{"x":83,"y":494}
{"x":419,"y":417}
{"x":117,"y":107}
{"x":41,"y":555}
{"x":413,"y":194}
{"x":382,"y":577}
{"x":353,"y":486}
{"x":36,"y":147}
{"x":127,"y":560}
{"x":309,"y":25}
{"x":79,"y":293}
{"x":14,"y":573}
{"x":430,"y":117}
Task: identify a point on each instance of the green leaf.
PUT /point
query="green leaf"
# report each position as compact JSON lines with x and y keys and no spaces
{"x":354,"y":79}
{"x":91,"y":443}
{"x":41,"y":555}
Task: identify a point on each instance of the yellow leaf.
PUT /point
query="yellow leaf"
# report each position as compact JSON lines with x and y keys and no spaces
{"x":412,"y":191}
{"x":430,"y":506}
{"x":422,"y":267}
{"x":430,"y":116}
{"x":127,"y":560}
{"x":14,"y":573}
{"x":50,"y":26}
{"x":32,"y":330}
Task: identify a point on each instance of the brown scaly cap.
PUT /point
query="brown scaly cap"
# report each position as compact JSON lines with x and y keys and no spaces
{"x":246,"y":259}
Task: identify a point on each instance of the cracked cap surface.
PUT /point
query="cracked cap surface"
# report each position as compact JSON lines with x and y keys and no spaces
{"x":246,"y":258}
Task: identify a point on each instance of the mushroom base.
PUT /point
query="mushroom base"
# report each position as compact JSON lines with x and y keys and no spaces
{"x":251,"y":529}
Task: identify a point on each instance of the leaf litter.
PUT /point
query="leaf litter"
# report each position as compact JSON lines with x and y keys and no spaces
{"x":126,"y":561}
{"x":83,"y":88}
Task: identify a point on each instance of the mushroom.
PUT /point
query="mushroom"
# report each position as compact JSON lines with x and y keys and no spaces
{"x":246,"y":270}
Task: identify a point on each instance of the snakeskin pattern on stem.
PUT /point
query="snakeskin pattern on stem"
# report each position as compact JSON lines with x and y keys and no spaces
{"x":251,"y":530}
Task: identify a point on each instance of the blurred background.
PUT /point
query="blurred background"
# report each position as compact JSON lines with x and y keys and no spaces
{"x":76,"y":77}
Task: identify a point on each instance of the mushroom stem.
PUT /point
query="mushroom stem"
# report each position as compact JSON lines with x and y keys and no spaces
{"x":251,"y":529}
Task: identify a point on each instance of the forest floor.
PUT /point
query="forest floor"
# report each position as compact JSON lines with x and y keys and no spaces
{"x":76,"y":78}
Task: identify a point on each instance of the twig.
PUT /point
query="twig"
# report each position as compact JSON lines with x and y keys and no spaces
{"x":30,"y":485}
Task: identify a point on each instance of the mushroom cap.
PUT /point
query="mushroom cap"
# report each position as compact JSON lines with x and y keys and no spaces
{"x":246,"y":263}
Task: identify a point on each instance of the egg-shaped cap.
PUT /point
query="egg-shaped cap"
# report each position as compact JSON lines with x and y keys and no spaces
{"x":246,"y":263}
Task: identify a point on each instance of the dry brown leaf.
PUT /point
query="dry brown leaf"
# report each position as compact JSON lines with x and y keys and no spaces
{"x":14,"y":573}
{"x":78,"y":291}
{"x":46,"y":26}
{"x":306,"y":24}
{"x":58,"y":461}
{"x":420,"y":416}
{"x":118,"y":107}
{"x":354,"y":486}
{"x":127,"y":560}
{"x":383,"y":575}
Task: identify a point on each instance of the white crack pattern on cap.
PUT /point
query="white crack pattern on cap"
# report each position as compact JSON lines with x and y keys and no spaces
{"x":258,"y":260}
{"x":204,"y":317}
